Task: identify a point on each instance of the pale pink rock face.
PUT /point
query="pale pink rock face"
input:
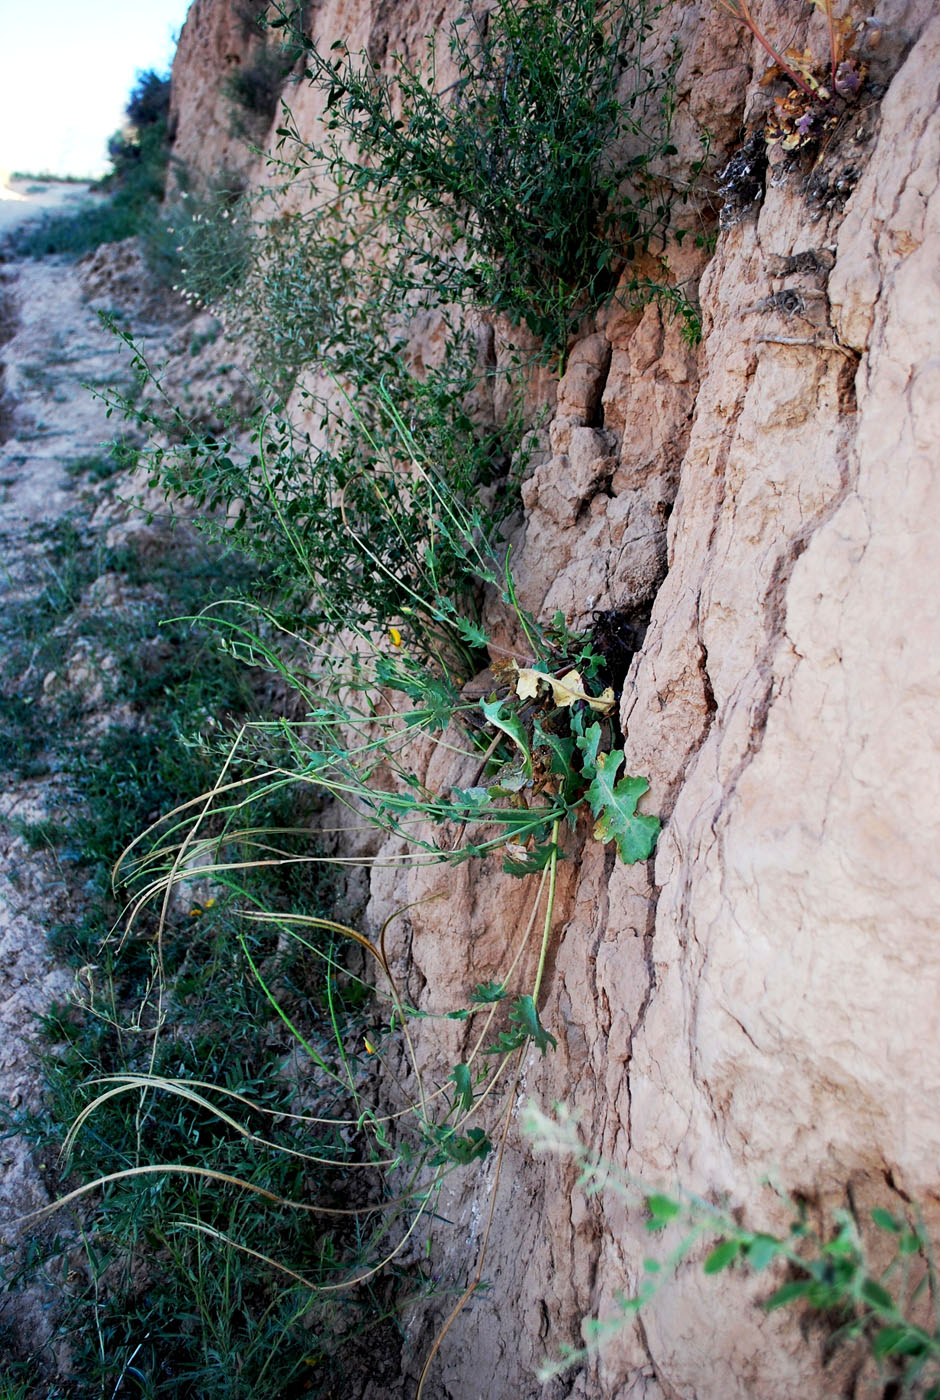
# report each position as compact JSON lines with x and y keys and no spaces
{"x":767,"y":1002}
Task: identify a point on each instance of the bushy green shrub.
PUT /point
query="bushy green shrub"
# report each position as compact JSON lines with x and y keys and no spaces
{"x":364,"y":524}
{"x":531,"y":185}
{"x":201,"y":243}
{"x":148,"y":107}
{"x":255,"y":86}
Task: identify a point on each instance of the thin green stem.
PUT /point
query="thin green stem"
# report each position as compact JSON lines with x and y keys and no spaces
{"x":549,"y":910}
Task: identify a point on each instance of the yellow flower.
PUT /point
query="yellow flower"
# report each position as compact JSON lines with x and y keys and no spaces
{"x":368,"y":1044}
{"x":395,"y":635}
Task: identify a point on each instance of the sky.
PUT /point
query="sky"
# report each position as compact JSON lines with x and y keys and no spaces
{"x":66,"y":70}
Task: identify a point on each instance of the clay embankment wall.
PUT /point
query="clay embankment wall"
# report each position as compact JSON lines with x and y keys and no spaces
{"x":763,"y":1000}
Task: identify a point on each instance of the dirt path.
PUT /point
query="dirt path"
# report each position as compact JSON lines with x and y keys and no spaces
{"x":52,"y":425}
{"x":113,"y":710}
{"x":22,"y":200}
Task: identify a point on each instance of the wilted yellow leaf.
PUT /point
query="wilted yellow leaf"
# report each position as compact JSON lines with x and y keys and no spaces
{"x":528,"y":681}
{"x":571,"y":688}
{"x":566,"y":690}
{"x":517,"y":852}
{"x":605,"y":702}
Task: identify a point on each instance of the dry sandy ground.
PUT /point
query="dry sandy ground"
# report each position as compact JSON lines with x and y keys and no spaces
{"x":22,"y":200}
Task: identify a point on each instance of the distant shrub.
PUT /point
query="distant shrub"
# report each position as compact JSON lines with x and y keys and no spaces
{"x":256,"y":86}
{"x":132,"y":191}
{"x":149,"y":102}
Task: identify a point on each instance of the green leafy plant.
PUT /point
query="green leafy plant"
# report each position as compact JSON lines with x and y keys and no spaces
{"x":359,"y":524}
{"x":540,"y":162}
{"x":255,"y":87}
{"x":256,"y":82}
{"x":202,"y":243}
{"x":116,"y":456}
{"x":892,"y":1311}
{"x":363,"y":704}
{"x":539,"y":727}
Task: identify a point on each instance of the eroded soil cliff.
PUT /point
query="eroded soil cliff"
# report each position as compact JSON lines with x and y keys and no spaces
{"x":762,"y":1001}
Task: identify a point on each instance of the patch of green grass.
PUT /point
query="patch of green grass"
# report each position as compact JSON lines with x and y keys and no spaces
{"x":199,"y":341}
{"x":41,"y":378}
{"x":174,"y":1295}
{"x":9,"y":316}
{"x":216,"y":1321}
{"x":50,"y":178}
{"x":157,"y":665}
{"x":109,"y":219}
{"x":33,"y":644}
{"x":110,"y":459}
{"x":74,"y":233}
{"x":22,"y":741}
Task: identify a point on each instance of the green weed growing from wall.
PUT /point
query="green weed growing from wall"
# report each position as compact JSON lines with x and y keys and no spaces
{"x":531,"y":185}
{"x":367,"y":701}
{"x":893,"y":1311}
